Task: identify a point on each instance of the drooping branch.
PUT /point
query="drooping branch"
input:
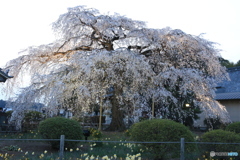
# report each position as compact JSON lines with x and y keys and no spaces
{"x":94,"y":49}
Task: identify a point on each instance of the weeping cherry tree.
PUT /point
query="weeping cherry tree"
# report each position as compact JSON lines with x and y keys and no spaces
{"x":95,"y":52}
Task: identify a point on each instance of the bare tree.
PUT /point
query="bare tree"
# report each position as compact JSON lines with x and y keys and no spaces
{"x":95,"y":52}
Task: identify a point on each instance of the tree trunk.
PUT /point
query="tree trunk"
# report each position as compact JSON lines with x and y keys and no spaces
{"x":117,"y":123}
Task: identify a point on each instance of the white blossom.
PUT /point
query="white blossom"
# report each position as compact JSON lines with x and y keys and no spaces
{"x":94,"y":52}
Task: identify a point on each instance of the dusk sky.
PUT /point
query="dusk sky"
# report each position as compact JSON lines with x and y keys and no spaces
{"x":26,"y":22}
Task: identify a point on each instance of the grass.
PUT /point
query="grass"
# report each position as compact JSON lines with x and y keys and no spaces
{"x":85,"y":150}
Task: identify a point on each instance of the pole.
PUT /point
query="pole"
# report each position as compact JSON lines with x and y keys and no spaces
{"x":182,"y":149}
{"x":100,"y":116}
{"x":61,"y":147}
{"x":152,"y":107}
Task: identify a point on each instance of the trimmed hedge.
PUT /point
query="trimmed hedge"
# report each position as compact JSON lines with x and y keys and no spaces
{"x":53,"y":128}
{"x":162,"y":130}
{"x":233,"y":127}
{"x":220,"y":136}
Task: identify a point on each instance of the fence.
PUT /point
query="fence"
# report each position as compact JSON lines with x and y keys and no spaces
{"x":62,"y":140}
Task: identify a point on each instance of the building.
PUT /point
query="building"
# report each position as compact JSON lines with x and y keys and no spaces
{"x":4,"y":76}
{"x":228,"y":93}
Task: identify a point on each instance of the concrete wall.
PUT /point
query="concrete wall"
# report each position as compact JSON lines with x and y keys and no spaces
{"x":233,"y":108}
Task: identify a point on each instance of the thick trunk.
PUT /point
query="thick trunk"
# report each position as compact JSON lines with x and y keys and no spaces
{"x":117,"y":123}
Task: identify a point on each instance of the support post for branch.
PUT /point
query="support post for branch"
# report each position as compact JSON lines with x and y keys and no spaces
{"x":100,"y":116}
{"x":61,"y":150}
{"x":182,"y":149}
{"x":152,"y":108}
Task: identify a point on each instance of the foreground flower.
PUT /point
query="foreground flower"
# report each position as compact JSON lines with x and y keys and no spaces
{"x":41,"y":156}
{"x":127,"y":158}
{"x":138,"y":155}
{"x":105,"y":157}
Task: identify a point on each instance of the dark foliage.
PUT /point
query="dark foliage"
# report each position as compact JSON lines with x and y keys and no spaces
{"x":220,"y":136}
{"x":53,"y":128}
{"x":162,"y":130}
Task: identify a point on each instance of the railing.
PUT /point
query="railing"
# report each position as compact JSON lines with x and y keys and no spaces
{"x":63,"y":140}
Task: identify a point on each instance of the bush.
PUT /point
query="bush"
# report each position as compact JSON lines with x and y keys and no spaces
{"x":220,"y":136}
{"x":33,"y":116}
{"x":53,"y":128}
{"x":162,"y":130}
{"x":234,"y":127}
{"x":31,"y":120}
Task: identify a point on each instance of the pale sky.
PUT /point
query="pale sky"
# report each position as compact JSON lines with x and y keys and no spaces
{"x":28,"y":22}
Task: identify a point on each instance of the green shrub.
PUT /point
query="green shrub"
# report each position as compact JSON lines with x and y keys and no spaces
{"x":234,"y":127}
{"x":53,"y":128}
{"x":31,"y":120}
{"x":162,"y":130}
{"x":220,"y":136}
{"x":33,"y":116}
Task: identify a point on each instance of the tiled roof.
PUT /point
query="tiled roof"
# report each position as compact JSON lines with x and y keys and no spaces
{"x":233,"y":85}
{"x":228,"y":90}
{"x":227,"y":96}
{"x":4,"y":76}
